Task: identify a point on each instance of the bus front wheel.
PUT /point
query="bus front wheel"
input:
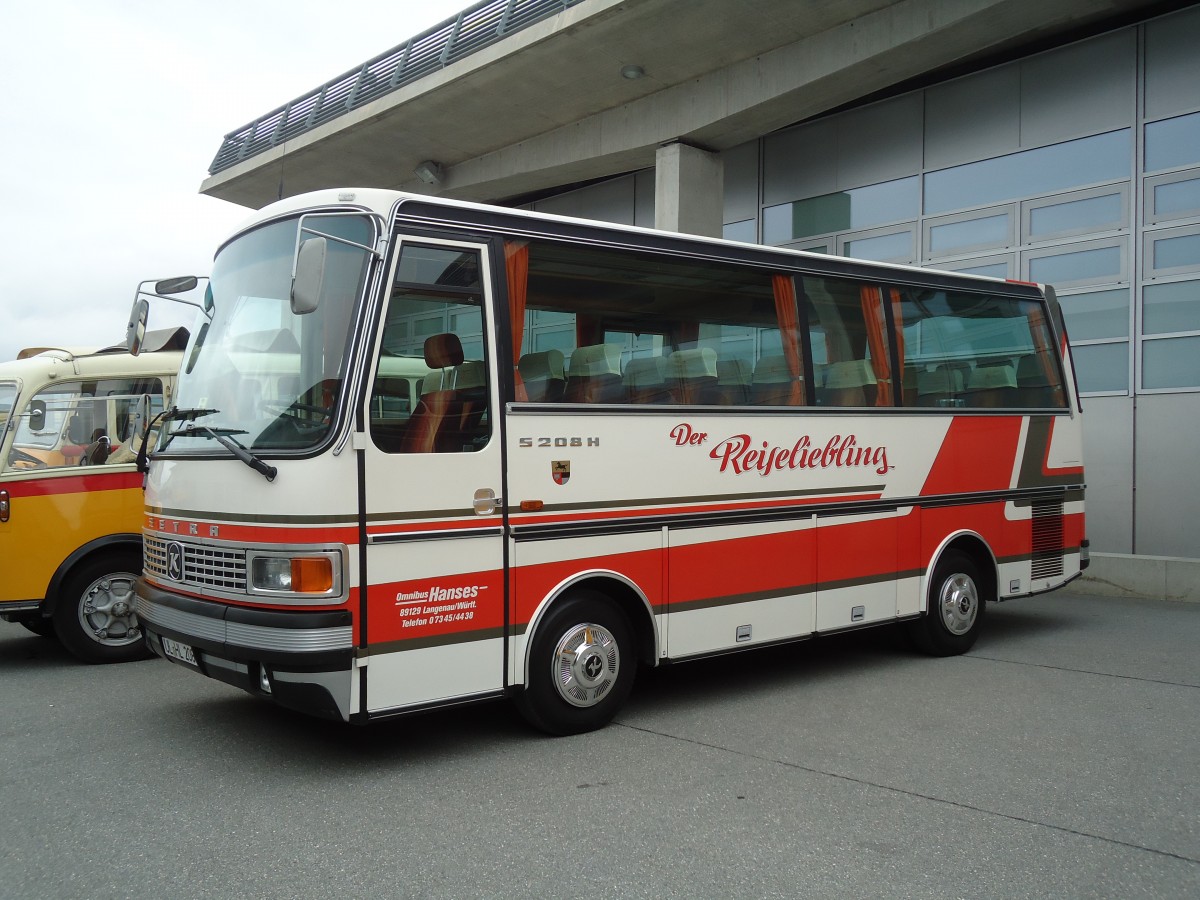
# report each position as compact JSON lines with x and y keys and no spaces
{"x":581,"y":666}
{"x":957,"y":603}
{"x":94,"y":617}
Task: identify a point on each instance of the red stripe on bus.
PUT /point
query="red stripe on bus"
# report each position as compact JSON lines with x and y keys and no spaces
{"x":74,"y":484}
{"x":977,"y":454}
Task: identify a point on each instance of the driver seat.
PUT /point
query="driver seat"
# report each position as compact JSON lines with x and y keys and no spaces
{"x":439,"y":411}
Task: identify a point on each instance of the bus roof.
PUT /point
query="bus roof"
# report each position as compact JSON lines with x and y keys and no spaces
{"x":163,"y":339}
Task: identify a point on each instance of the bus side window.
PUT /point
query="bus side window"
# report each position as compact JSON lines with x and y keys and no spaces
{"x":431,"y":387}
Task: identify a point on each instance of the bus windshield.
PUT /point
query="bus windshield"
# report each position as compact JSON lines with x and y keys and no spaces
{"x":270,"y":377}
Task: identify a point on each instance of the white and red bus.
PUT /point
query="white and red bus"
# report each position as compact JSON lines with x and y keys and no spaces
{"x":430,"y":452}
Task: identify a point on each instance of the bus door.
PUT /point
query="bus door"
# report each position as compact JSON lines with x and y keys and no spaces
{"x":433,"y":484}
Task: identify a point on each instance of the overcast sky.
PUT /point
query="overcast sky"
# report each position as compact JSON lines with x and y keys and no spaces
{"x":113,"y":111}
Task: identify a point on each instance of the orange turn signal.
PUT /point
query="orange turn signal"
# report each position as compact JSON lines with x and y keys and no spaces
{"x":312,"y":575}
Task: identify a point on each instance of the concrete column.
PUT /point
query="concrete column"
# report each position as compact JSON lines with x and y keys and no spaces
{"x":689,"y":190}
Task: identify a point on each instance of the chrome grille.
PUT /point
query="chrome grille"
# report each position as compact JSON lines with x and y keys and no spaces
{"x":203,"y":565}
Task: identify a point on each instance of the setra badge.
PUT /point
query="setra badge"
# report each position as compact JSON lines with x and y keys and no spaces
{"x":560,"y":471}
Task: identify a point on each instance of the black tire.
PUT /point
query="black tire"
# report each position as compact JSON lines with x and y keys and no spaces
{"x":956,"y":607}
{"x":40,"y":626}
{"x":94,"y":617}
{"x":581,"y":666}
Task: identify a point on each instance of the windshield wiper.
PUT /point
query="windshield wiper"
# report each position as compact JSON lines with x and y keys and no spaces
{"x":223,"y":437}
{"x":174,"y":414}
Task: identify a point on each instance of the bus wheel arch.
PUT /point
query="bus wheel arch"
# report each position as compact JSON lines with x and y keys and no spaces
{"x":586,"y":644}
{"x":962,"y":579}
{"x":91,"y":602}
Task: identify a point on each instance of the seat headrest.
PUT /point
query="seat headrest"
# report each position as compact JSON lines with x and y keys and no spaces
{"x":850,"y":373}
{"x":443,"y":351}
{"x":538,"y":366}
{"x":941,"y":380}
{"x":596,"y":359}
{"x":989,"y":377}
{"x":696,"y":362}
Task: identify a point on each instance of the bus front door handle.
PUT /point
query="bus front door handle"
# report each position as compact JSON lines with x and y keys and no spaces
{"x":486,"y":502}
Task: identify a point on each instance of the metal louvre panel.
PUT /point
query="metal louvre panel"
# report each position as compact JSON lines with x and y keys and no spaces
{"x":182,"y":622}
{"x":1047,"y":524}
{"x":262,"y":637}
{"x":253,"y":637}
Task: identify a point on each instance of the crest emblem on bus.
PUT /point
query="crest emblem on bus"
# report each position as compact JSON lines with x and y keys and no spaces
{"x":560,"y":471}
{"x":175,"y":561}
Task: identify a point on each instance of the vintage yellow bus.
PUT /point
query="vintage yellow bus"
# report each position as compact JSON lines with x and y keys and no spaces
{"x":70,"y":492}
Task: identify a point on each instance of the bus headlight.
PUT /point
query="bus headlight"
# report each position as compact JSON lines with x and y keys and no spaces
{"x":295,"y":574}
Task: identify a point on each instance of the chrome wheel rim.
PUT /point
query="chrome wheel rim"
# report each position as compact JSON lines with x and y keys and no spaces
{"x":106,"y":611}
{"x":585,"y":665}
{"x":958,"y":603}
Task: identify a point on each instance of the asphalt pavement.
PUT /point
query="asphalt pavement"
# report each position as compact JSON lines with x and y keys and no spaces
{"x":1059,"y":758}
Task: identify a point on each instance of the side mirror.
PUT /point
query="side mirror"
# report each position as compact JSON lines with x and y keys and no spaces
{"x":176,"y":285}
{"x":310,"y":276}
{"x":135,"y":331}
{"x":37,"y":415}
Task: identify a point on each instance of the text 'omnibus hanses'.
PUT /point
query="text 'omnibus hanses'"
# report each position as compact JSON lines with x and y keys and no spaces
{"x":429,"y":452}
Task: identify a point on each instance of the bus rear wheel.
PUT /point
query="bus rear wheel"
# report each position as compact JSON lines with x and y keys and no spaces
{"x":956,"y":606}
{"x":581,"y":666}
{"x":94,"y":618}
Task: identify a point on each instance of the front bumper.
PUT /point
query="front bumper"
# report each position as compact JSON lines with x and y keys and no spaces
{"x":303,"y":660}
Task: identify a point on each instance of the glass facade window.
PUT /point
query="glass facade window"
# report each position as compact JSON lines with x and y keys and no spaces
{"x":1172,"y":143}
{"x":1074,"y":216}
{"x":1094,"y":264}
{"x":1171,"y":363}
{"x":1171,"y":307}
{"x":740,"y":231}
{"x":1176,"y":252}
{"x":1096,"y":315}
{"x":1090,"y":160}
{"x":864,"y":207}
{"x":896,"y":247}
{"x":1177,"y":198}
{"x":1102,"y":368}
{"x":986,"y":231}
{"x":989,"y":270}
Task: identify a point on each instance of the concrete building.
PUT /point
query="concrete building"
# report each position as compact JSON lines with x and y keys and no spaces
{"x":1055,"y":142}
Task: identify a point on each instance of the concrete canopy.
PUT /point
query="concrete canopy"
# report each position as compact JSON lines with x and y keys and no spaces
{"x":547,"y":106}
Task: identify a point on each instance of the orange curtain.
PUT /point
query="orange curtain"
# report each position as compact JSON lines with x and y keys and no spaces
{"x":872,"y":308}
{"x":1041,"y":343}
{"x":784,"y":288}
{"x":516,"y":267}
{"x":898,"y":330}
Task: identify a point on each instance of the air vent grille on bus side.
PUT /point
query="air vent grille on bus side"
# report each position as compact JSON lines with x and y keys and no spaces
{"x":1047,"y":525}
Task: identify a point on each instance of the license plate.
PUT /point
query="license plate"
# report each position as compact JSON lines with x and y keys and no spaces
{"x":181,"y":652}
